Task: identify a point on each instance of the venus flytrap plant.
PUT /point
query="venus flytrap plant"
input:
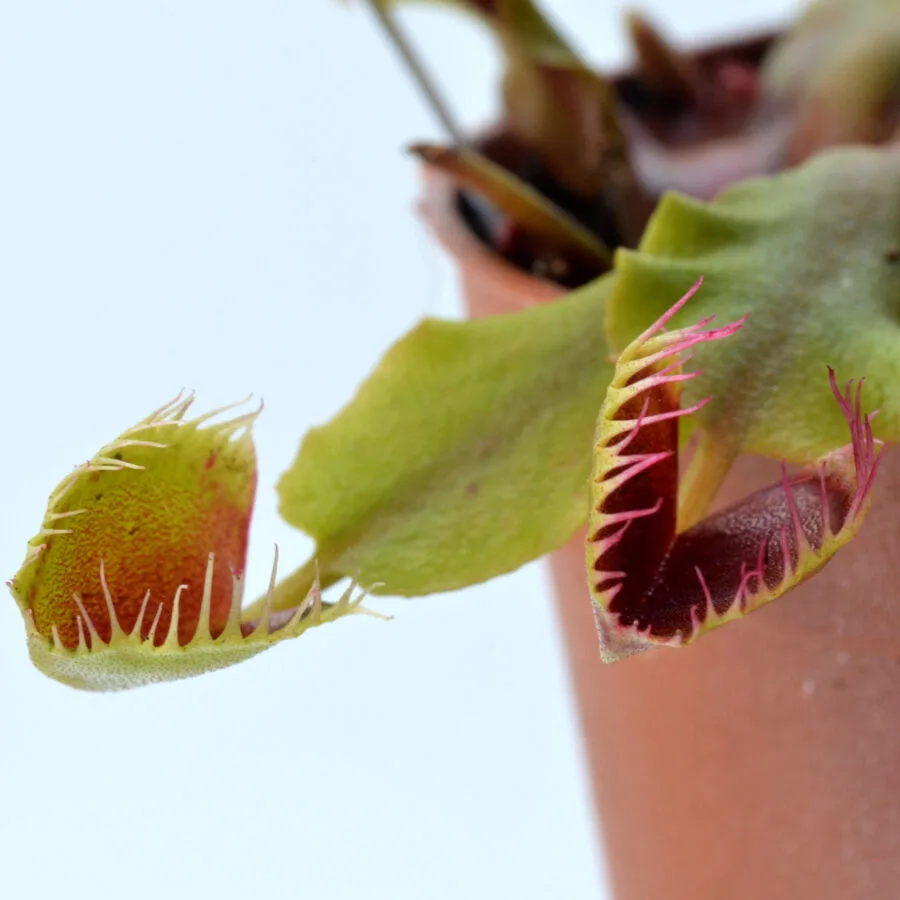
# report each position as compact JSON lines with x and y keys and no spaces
{"x":468,"y":452}
{"x":476,"y":447}
{"x":137,"y":575}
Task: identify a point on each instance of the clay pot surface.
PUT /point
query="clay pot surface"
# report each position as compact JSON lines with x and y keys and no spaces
{"x":763,"y":761}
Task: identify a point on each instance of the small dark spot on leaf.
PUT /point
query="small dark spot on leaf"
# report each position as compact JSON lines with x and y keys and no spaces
{"x":99,"y":497}
{"x":117,"y":454}
{"x":487,"y":448}
{"x":211,"y":460}
{"x":132,"y":531}
{"x":472,"y":490}
{"x":893,"y":255}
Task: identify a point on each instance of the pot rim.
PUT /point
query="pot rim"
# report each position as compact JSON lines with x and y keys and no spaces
{"x":439,"y":207}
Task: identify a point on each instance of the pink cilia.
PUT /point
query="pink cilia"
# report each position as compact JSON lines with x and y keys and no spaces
{"x":653,"y":586}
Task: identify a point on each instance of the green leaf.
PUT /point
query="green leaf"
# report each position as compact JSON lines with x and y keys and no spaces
{"x":812,"y":256}
{"x":465,"y":455}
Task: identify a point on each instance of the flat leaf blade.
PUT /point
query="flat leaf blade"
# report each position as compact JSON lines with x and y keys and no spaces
{"x":465,"y":455}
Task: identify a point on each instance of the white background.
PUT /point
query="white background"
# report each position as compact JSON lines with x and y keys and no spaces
{"x":214,"y":195}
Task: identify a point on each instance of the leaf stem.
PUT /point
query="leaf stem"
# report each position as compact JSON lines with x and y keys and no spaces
{"x":420,"y":75}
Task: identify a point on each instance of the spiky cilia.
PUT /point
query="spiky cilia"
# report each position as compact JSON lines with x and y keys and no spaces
{"x":651,"y":585}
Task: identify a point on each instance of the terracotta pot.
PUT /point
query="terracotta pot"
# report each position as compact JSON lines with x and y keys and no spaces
{"x":764,"y":761}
